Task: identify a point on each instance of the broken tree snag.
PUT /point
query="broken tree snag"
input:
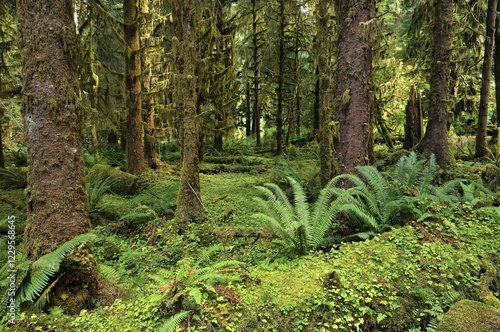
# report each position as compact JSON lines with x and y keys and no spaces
{"x":413,"y":125}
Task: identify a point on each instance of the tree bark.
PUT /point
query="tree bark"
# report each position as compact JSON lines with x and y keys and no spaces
{"x":435,"y":138}
{"x":281,"y":77}
{"x":322,"y":100}
{"x":482,"y":121}
{"x":2,"y":159}
{"x":352,"y":83}
{"x":256,"y":72}
{"x":53,"y":120}
{"x":497,"y":67}
{"x":413,"y":124}
{"x":189,"y":205}
{"x":135,"y":151}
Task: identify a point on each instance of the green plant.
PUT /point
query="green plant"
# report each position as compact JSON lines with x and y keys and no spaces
{"x":193,"y":278}
{"x":98,"y":188}
{"x":171,"y":324}
{"x":35,"y":279}
{"x":299,"y":226}
{"x":13,"y":178}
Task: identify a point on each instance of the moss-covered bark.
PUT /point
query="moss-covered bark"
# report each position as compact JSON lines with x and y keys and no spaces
{"x":53,"y":120}
{"x":135,"y":151}
{"x":189,"y":205}
{"x":435,"y":139}
{"x":353,"y":81}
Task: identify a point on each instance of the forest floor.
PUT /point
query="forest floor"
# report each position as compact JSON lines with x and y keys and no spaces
{"x":230,"y":273}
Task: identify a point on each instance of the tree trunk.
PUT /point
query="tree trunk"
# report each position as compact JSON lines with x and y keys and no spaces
{"x":482,"y":121}
{"x":53,"y":123}
{"x":352,"y":83}
{"x":189,"y":206}
{"x":316,"y":116}
{"x":322,"y":106}
{"x":256,"y":72}
{"x":135,"y":152}
{"x":281,"y":77}
{"x":248,"y":112}
{"x":497,"y":67}
{"x":2,"y":160}
{"x":95,"y":144}
{"x":435,"y":139}
{"x":413,"y":124}
{"x":148,"y":101}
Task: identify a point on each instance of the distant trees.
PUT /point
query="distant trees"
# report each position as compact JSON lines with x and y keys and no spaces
{"x":53,"y":122}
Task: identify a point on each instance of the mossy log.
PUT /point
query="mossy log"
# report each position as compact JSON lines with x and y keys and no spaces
{"x":123,"y":183}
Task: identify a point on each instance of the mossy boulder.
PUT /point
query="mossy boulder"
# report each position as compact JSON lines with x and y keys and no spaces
{"x":467,"y":315}
{"x":123,"y":183}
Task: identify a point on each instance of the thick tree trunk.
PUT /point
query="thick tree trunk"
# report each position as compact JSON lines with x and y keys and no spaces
{"x":413,"y":124}
{"x":435,"y":139}
{"x":53,"y":120}
{"x":189,"y":206}
{"x":135,"y":151}
{"x":352,"y":83}
{"x":482,"y":121}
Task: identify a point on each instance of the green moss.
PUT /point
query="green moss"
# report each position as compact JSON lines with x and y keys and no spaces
{"x":466,"y":315}
{"x":123,"y":183}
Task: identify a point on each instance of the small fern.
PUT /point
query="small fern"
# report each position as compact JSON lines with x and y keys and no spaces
{"x":171,"y":324}
{"x":97,"y":189}
{"x":13,"y":178}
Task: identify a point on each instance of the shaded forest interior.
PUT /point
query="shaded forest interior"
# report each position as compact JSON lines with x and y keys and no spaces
{"x":249,"y":165}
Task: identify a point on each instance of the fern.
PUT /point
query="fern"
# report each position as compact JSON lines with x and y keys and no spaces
{"x":171,"y":324}
{"x":40,"y":272}
{"x":96,"y":190}
{"x":300,"y":227}
{"x":13,"y":178}
{"x":109,"y":273}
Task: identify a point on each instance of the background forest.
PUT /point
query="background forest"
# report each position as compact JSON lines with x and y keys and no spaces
{"x":249,"y":165}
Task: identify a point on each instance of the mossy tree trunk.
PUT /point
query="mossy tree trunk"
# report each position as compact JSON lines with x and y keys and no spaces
{"x":256,"y":58}
{"x":482,"y":121}
{"x":135,"y":150}
{"x":281,"y":76}
{"x":2,"y":159}
{"x":497,"y":67}
{"x":323,"y":114}
{"x":53,"y":120}
{"x":148,"y":100}
{"x":353,"y":81}
{"x":189,"y":206}
{"x":435,"y":139}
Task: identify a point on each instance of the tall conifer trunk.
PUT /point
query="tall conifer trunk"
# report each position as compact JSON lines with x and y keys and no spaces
{"x":436,"y":135}
{"x":352,"y":82}
{"x":189,"y":206}
{"x":53,"y":120}
{"x":135,"y":151}
{"x":482,"y":121}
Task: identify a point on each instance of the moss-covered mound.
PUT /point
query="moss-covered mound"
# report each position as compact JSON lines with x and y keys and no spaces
{"x":122,"y":183}
{"x":466,"y":316}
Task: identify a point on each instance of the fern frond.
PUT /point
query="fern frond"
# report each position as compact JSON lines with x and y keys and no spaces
{"x":109,"y":273}
{"x":171,"y":324}
{"x":43,"y":269}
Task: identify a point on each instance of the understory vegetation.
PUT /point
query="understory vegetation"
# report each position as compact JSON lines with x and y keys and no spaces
{"x":389,"y":249}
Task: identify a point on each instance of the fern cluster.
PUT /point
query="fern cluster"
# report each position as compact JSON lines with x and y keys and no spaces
{"x":375,"y":201}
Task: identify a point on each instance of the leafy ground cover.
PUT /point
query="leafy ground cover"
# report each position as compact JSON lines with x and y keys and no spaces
{"x":231,"y":273}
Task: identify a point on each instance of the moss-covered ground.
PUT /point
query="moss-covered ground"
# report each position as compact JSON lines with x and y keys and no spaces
{"x":231,"y":275}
